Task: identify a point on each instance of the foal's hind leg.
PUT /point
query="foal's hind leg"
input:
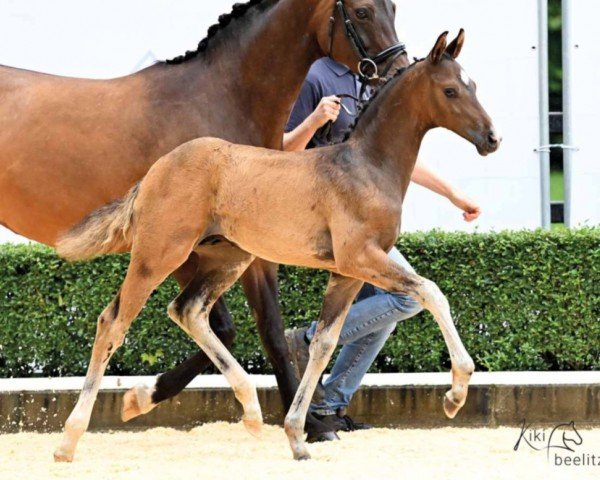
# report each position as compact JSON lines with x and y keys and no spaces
{"x":339,"y":296}
{"x":112,"y":325}
{"x":190,"y":311}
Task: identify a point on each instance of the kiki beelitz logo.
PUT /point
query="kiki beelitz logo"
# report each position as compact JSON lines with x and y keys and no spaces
{"x":562,"y":443}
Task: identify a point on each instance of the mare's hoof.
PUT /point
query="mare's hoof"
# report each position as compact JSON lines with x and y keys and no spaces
{"x":136,"y":402}
{"x":60,"y":456}
{"x":450,"y":407}
{"x":322,"y":437}
{"x":254,"y":427}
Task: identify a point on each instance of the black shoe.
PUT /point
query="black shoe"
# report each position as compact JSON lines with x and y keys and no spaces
{"x":350,"y":425}
{"x":341,"y":422}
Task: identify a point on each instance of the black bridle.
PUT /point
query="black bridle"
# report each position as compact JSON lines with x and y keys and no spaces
{"x":368,"y":65}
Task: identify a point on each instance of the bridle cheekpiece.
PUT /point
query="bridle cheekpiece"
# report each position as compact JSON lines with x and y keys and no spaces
{"x":368,"y":64}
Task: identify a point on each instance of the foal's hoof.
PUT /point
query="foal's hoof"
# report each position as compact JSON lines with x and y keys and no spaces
{"x":136,"y":401}
{"x":253,"y":426}
{"x":451,"y":408}
{"x":302,"y":456}
{"x":61,"y":456}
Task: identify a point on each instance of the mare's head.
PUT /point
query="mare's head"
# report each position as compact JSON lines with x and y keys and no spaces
{"x":448,"y":98}
{"x":373,"y":22}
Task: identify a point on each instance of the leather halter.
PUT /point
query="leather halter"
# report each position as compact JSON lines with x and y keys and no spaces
{"x":368,"y":64}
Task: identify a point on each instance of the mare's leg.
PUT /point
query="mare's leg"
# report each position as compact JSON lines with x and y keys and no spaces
{"x":112,"y":326}
{"x":375,"y":266}
{"x":339,"y":296}
{"x":143,"y":398}
{"x":190,"y":311}
{"x":260,"y":286}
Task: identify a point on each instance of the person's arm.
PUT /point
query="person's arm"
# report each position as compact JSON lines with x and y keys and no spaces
{"x":424,"y":176}
{"x":298,"y":138}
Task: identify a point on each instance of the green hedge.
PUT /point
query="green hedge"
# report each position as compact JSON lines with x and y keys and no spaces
{"x":522,"y":300}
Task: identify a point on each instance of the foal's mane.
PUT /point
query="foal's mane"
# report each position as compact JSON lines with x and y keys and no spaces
{"x":238,"y":10}
{"x":364,"y":106}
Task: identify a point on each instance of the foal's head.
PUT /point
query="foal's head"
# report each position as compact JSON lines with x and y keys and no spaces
{"x":448,"y":96}
{"x":373,"y":21}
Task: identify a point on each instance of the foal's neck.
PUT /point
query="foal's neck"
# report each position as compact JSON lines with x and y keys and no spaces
{"x":390,"y":133}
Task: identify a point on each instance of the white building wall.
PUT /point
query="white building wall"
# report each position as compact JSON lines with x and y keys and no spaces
{"x":585,"y":110}
{"x":500,"y":54}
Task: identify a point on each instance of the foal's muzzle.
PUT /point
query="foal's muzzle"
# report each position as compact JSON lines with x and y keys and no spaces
{"x":488,"y":141}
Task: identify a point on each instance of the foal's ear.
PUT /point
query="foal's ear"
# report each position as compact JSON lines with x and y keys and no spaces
{"x":456,"y":45}
{"x":439,"y":49}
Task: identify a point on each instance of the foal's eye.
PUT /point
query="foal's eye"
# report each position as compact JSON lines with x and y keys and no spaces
{"x":362,"y":13}
{"x":451,"y":92}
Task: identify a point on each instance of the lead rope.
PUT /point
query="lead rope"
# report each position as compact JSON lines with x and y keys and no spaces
{"x":364,"y":84}
{"x":328,"y":128}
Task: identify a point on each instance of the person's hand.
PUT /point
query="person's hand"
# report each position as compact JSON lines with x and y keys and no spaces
{"x":327,"y":110}
{"x":471,"y":210}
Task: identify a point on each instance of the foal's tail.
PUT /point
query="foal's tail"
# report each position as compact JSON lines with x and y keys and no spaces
{"x":105,"y":230}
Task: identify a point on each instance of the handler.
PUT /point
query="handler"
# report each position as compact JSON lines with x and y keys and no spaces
{"x":374,"y":316}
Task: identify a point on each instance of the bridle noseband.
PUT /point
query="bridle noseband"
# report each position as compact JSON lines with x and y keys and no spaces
{"x":368,"y":65}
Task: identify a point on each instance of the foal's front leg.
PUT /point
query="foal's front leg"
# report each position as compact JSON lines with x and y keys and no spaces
{"x":142,"y":398}
{"x":260,"y":285}
{"x":375,"y":267}
{"x":339,"y":296}
{"x":190,"y":310}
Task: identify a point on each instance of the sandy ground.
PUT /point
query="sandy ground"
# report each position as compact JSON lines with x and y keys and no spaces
{"x":226,"y":451}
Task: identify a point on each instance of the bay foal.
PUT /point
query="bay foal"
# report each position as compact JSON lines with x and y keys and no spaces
{"x":335,"y":208}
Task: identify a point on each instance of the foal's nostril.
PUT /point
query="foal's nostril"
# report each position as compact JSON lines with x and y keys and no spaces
{"x":493,"y":139}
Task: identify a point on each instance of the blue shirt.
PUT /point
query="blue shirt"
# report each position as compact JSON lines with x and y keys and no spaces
{"x":325,"y":78}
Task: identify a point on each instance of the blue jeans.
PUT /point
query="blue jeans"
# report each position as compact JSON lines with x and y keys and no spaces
{"x":367,"y":327}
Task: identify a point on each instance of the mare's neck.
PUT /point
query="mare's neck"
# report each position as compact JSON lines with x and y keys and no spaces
{"x":256,"y":67}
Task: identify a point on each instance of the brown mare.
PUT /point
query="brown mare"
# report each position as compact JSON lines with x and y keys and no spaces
{"x":68,"y":146}
{"x":336,"y":208}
